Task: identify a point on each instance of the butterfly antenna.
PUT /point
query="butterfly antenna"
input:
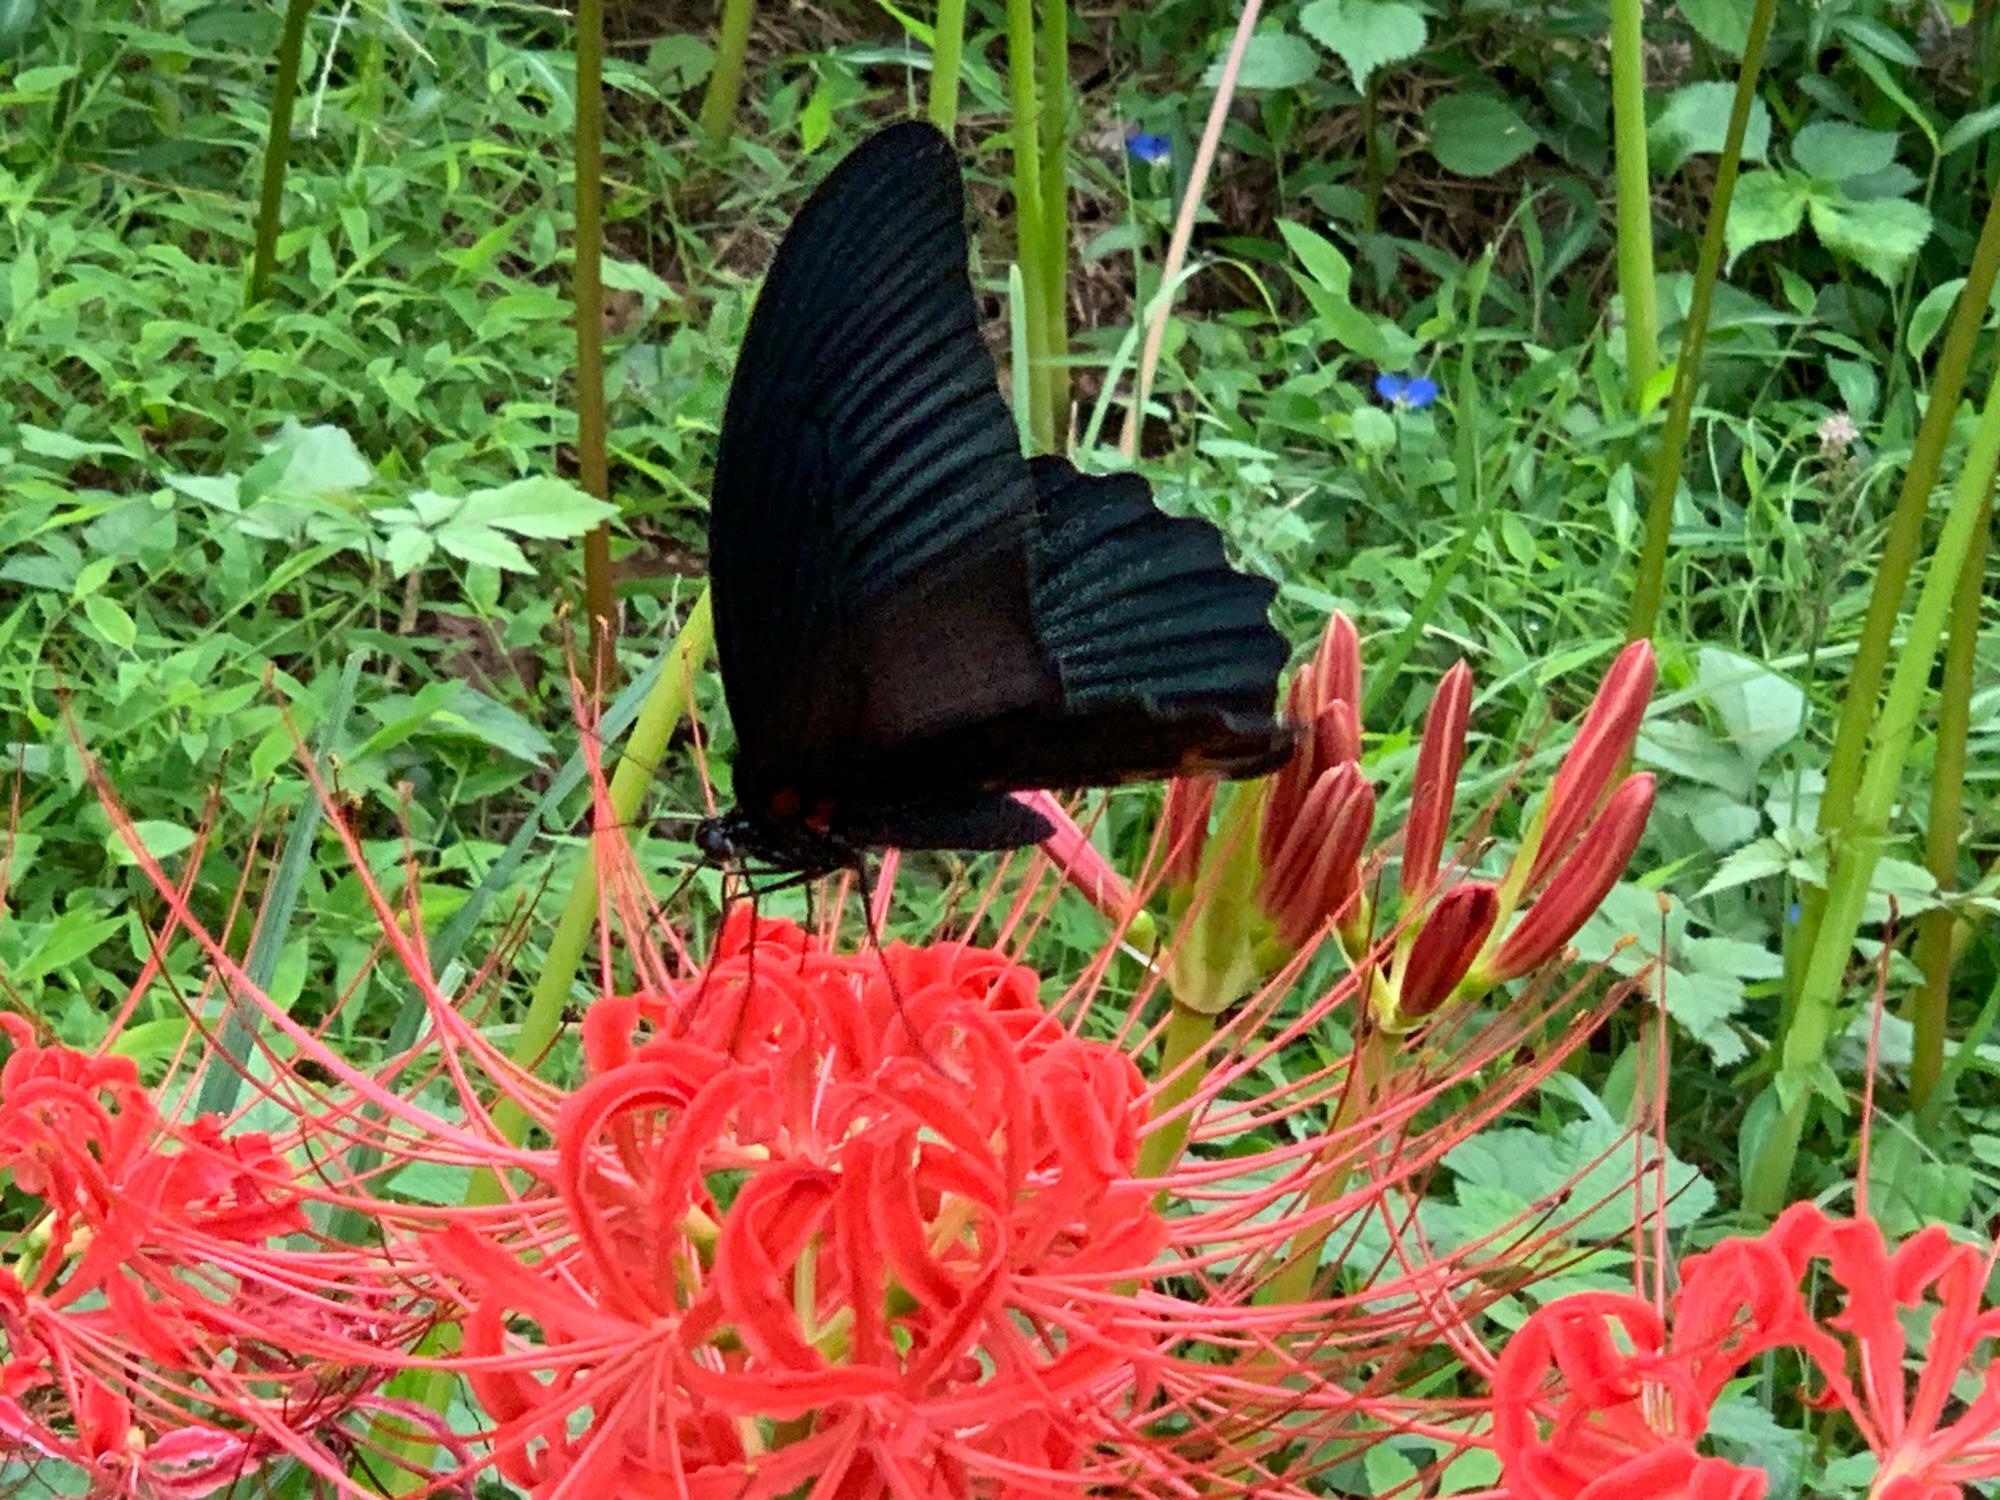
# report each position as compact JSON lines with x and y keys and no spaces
{"x":871,"y":926}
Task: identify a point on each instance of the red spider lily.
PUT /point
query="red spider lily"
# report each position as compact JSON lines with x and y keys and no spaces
{"x":1440,"y":756}
{"x":897,"y":1222}
{"x":1610,"y":726}
{"x":1599,"y":1395}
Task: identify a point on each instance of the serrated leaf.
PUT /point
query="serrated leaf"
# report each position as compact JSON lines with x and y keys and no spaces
{"x":541,"y":507}
{"x":1695,"y":122}
{"x":1754,"y":861}
{"x":1767,"y":206}
{"x":1703,"y":1005}
{"x":1272,"y":60}
{"x":323,"y":460}
{"x":1759,"y":709}
{"x":1366,"y":34}
{"x":1880,"y":236}
{"x":482,"y":544}
{"x":1477,"y":135}
{"x":407,"y":547}
{"x":1835,"y":150}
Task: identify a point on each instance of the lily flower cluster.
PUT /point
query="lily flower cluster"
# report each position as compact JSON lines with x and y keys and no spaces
{"x":913,"y":1219}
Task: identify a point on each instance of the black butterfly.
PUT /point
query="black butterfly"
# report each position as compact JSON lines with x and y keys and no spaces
{"x":912,"y":618}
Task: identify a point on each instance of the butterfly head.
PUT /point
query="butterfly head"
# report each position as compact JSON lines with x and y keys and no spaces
{"x":741,"y":840}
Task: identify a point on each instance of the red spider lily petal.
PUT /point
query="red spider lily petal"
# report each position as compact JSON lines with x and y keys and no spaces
{"x":1184,"y":818}
{"x":1069,"y":848}
{"x":1440,"y":756}
{"x":1609,"y":727}
{"x":1453,"y":934}
{"x":1580,"y":884}
{"x":1315,"y":872}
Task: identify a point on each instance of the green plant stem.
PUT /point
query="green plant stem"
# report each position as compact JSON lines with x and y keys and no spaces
{"x":587,"y":293}
{"x":1635,"y":196}
{"x":277,"y":148}
{"x":1375,"y":172}
{"x":1967,"y":1049}
{"x":571,"y":939}
{"x":1649,"y":582}
{"x":1935,"y":928}
{"x":1028,"y":212}
{"x":1892,"y":576}
{"x":947,"y":49}
{"x":725,"y":83}
{"x":1817,"y":1011}
{"x":1055,"y":216}
{"x":1188,"y":1031}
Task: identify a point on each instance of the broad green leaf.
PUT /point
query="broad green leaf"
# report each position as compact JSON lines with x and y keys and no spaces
{"x":1759,"y":861}
{"x":1365,"y":34}
{"x":1272,"y":60}
{"x":1374,"y":429}
{"x":1880,"y":235}
{"x":38,"y":83}
{"x":73,"y":935}
{"x":630,"y":276}
{"x":109,"y":618}
{"x":407,"y":547}
{"x":1969,"y":128}
{"x":1878,"y":39}
{"x":1767,"y":206}
{"x":542,"y":507}
{"x":1723,"y":24}
{"x":1760,"y":710}
{"x":679,"y":61}
{"x":482,"y":544}
{"x":1477,"y":135}
{"x":1696,"y":123}
{"x":48,"y":443}
{"x":1323,"y":259}
{"x":161,"y":839}
{"x":323,"y":461}
{"x":1836,"y":151}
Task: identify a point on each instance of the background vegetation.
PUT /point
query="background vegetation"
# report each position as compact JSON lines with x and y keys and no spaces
{"x":224,"y":477}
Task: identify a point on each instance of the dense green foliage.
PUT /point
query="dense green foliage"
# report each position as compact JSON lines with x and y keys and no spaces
{"x":211,"y":503}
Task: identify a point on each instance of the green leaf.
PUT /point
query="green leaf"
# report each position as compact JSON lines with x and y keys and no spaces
{"x":161,"y":839}
{"x":1374,"y":429}
{"x":323,"y":460}
{"x":1696,"y":123}
{"x":407,"y":547}
{"x":49,"y":443}
{"x":1760,"y":710}
{"x":1969,"y":128}
{"x":1365,"y":34}
{"x":1767,"y":206}
{"x":630,"y":276}
{"x":39,"y":83}
{"x":1272,"y":60}
{"x":110,"y":620}
{"x":1323,"y":260}
{"x":542,"y":507}
{"x":482,"y":544}
{"x":73,"y":935}
{"x":1836,"y":151}
{"x":1723,"y":24}
{"x":680,"y":61}
{"x":1880,"y":235}
{"x":1878,"y":39}
{"x":1477,"y":135}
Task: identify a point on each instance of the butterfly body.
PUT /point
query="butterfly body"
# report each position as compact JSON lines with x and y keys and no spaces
{"x":914,"y":620}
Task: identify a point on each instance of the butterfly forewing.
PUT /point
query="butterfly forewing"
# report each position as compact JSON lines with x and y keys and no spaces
{"x":911,"y":617}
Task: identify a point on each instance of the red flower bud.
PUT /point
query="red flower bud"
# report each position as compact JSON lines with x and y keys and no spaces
{"x":1316,"y":869}
{"x":1453,"y":933}
{"x":1336,"y":666}
{"x":1609,"y":727}
{"x":1580,"y":882}
{"x":1439,"y":759}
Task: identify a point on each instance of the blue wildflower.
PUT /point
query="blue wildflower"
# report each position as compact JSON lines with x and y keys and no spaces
{"x":1792,"y":916}
{"x":1149,"y":149}
{"x":1413,"y":391}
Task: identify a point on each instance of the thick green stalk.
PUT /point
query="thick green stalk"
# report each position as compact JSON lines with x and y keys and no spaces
{"x":587,"y":292}
{"x":1635,"y":196}
{"x":1935,"y":929}
{"x":1815,"y":1017}
{"x":277,"y":147}
{"x":1055,"y":215}
{"x":947,"y":48}
{"x":1892,"y":571}
{"x":1650,"y":580}
{"x":1188,"y":1031}
{"x":725,"y":83}
{"x":635,"y":773}
{"x":1028,"y":212}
